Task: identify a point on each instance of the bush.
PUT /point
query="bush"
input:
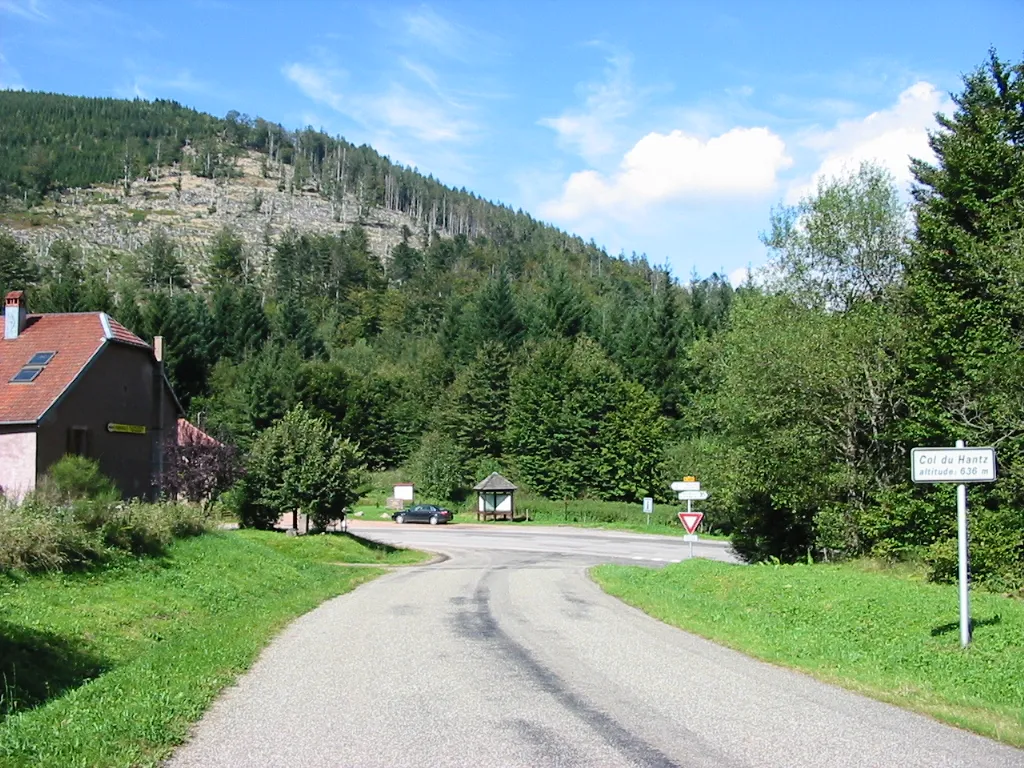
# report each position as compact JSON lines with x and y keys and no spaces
{"x":40,"y":536}
{"x":199,"y":468}
{"x":36,"y":538}
{"x":996,"y":540}
{"x":76,"y":477}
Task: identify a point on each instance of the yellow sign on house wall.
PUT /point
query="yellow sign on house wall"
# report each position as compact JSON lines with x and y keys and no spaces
{"x":130,"y":429}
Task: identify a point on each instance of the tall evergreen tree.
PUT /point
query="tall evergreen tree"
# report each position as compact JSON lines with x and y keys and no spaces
{"x":17,"y":270}
{"x":497,"y":317}
{"x":565,"y":308}
{"x":474,"y":412}
{"x":160,"y":265}
{"x":227,"y":257}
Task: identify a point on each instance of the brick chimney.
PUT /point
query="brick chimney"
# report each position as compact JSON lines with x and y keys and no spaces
{"x":15,"y":314}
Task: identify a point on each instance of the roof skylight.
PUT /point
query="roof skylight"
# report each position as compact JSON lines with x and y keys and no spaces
{"x":26,"y":375}
{"x":41,"y":358}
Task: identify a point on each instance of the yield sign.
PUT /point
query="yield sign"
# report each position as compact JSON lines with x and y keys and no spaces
{"x":690,"y":520}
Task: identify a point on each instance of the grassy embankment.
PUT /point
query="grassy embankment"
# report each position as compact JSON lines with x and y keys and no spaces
{"x":889,"y":635}
{"x":109,"y":667}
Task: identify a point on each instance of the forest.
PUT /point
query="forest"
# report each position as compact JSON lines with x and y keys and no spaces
{"x":490,"y":341}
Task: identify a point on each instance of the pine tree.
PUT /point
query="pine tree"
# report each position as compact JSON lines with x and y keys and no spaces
{"x":160,"y":266}
{"x":565,"y":308}
{"x":17,"y":271}
{"x":497,"y":317}
{"x":227,"y":257}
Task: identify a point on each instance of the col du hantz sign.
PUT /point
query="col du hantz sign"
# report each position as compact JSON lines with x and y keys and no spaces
{"x":953,"y":465}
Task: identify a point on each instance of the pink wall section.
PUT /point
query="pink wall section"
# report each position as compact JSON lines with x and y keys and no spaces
{"x":17,"y":463}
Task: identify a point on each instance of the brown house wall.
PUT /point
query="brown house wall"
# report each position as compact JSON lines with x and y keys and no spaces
{"x":117,"y":387}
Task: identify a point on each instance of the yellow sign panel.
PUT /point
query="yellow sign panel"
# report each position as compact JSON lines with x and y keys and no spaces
{"x":689,"y":479}
{"x":131,"y":429}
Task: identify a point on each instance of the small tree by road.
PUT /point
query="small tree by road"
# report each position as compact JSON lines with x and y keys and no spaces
{"x":299,"y":465}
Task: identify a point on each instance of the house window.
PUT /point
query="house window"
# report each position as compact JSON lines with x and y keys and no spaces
{"x":78,"y":441}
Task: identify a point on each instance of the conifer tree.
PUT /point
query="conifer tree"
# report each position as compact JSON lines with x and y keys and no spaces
{"x":497,"y":317}
{"x":17,"y":270}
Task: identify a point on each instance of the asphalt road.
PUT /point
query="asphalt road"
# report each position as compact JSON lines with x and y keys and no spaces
{"x":507,"y":655}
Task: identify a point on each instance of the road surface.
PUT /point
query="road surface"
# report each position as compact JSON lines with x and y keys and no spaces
{"x":507,"y":655}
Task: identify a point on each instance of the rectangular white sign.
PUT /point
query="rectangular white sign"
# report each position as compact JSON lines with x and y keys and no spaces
{"x":693,"y":495}
{"x":691,"y":537}
{"x":953,"y":465}
{"x":648,"y":505}
{"x":683,"y":485}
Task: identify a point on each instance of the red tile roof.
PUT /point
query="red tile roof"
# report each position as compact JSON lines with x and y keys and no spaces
{"x":75,"y":337}
{"x":190,"y":434}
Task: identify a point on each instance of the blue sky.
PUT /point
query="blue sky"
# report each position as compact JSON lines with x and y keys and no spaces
{"x":665,"y":128}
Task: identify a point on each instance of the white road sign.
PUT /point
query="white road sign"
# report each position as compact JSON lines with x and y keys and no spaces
{"x":693,"y":495}
{"x":683,"y":485}
{"x":953,"y":465}
{"x":648,"y":505}
{"x":691,"y":537}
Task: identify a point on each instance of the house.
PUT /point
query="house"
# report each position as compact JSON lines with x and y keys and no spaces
{"x":80,"y":383}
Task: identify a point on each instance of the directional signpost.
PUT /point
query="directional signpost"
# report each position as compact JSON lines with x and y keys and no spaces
{"x":956,"y":465}
{"x":689,"y":491}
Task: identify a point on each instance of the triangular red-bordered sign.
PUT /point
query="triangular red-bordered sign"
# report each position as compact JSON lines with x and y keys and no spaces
{"x":690,"y":520}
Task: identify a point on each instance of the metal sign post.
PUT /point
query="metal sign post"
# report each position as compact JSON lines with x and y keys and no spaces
{"x":688,"y":490}
{"x":960,"y":465}
{"x":961,"y":540}
{"x":648,"y":508}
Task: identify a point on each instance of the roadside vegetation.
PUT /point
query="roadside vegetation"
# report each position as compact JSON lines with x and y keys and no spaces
{"x":110,"y":667}
{"x":121,"y":621}
{"x":884,"y":633}
{"x":76,"y":520}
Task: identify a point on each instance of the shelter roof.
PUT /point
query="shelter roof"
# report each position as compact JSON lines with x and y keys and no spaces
{"x":495,"y":482}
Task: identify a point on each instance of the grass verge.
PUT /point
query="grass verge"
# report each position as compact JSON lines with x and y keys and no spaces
{"x":110,"y":667}
{"x":335,"y":548}
{"x":890,"y":637}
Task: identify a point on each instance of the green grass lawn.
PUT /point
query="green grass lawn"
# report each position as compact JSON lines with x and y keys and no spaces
{"x":335,"y":548}
{"x":890,"y":636}
{"x":110,"y":667}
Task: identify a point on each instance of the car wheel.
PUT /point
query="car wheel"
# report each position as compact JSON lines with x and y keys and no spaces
{"x":434,"y":520}
{"x":400,"y":519}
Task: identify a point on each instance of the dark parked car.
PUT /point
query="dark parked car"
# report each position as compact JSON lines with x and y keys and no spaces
{"x":423,"y":513}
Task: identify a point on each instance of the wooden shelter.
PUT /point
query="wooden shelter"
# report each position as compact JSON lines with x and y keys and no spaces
{"x":495,"y":496}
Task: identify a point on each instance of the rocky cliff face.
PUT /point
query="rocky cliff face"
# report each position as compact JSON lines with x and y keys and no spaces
{"x":191,"y":209}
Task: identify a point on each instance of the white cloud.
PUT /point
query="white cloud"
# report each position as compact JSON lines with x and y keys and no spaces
{"x":427,"y":26}
{"x":590,"y":131}
{"x":665,"y":167}
{"x":739,"y":276}
{"x":889,"y":137}
{"x":430,"y":120}
{"x":26,"y":9}
{"x":317,"y":84}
